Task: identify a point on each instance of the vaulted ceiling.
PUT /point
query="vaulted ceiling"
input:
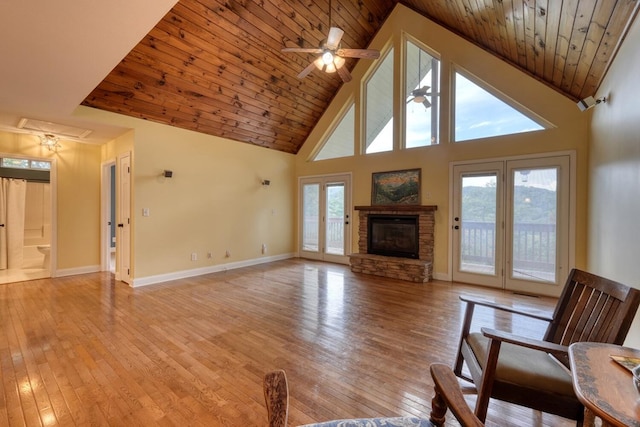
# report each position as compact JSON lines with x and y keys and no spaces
{"x":216,"y":66}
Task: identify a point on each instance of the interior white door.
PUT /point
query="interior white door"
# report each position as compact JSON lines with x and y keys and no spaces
{"x":325,"y":218}
{"x":123,"y":239}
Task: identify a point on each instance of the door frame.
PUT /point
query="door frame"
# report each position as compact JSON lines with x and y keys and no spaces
{"x":53,"y":188}
{"x":571,"y":214}
{"x":105,"y":214}
{"x":120,"y":217}
{"x":323,"y":180}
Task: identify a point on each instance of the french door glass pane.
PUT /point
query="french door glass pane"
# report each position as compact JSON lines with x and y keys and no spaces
{"x":311,"y":221}
{"x":535,"y":207}
{"x":478,"y":224}
{"x":335,"y":219}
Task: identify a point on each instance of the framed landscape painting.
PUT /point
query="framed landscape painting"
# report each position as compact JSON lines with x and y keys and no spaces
{"x":396,"y":187}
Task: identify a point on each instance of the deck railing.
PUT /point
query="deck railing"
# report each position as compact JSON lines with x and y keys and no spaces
{"x":335,"y":232}
{"x":534,"y":245}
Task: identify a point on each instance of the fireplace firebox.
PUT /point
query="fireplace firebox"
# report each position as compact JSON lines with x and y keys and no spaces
{"x":393,"y":235}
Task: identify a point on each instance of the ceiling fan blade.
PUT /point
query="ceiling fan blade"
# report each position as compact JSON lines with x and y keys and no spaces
{"x":426,"y":103}
{"x":306,"y":71}
{"x":303,"y":50}
{"x":345,"y":75}
{"x":334,"y":37}
{"x":359,"y":53}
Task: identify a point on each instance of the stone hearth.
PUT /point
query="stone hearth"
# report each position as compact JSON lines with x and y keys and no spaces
{"x":414,"y":270}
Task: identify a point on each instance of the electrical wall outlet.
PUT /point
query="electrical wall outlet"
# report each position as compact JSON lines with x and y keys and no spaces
{"x":264,"y":248}
{"x":194,"y":256}
{"x":227,"y":254}
{"x":209,"y":255}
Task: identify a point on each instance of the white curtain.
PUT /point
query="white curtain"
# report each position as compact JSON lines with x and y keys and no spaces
{"x":13,"y":196}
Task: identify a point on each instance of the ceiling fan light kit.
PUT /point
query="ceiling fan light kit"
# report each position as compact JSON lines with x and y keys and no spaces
{"x":331,"y":57}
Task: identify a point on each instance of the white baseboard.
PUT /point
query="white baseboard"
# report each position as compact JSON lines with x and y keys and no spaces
{"x":442,"y":276}
{"x":183,"y":274}
{"x":78,"y":270}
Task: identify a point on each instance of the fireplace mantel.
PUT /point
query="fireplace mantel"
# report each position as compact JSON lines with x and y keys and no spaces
{"x":415,"y":270}
{"x":397,"y":208}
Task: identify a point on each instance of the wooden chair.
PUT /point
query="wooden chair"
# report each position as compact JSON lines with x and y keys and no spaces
{"x":535,"y":373}
{"x":276,"y":396}
{"x":448,"y":395}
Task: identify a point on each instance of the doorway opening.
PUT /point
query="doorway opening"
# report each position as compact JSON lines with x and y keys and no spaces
{"x":27,"y":231}
{"x":108,"y":221}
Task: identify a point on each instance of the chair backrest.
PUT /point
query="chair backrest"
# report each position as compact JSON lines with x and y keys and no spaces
{"x":592,"y":308}
{"x":447,"y":391}
{"x":276,"y":397}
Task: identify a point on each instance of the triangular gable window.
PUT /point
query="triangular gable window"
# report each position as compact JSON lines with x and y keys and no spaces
{"x":480,"y":114}
{"x":379,"y":108}
{"x":341,"y":141}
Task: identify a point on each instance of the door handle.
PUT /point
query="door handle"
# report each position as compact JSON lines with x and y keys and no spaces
{"x":456,"y":227}
{"x":1,"y":225}
{"x":120,"y":225}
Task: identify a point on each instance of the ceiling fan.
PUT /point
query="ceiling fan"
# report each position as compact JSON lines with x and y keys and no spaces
{"x":420,"y":96}
{"x":331,"y":55}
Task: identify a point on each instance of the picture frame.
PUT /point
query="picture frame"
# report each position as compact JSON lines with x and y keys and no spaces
{"x":401,"y":187}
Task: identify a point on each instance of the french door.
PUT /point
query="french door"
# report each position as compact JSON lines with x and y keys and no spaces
{"x":511,"y":224}
{"x":325,"y":218}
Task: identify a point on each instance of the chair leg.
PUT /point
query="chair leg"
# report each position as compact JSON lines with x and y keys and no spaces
{"x":488,"y":373}
{"x":438,"y":409}
{"x":276,"y":396}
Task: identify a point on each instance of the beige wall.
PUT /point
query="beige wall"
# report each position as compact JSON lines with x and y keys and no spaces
{"x":215,"y":201}
{"x":570,"y":132}
{"x":78,"y":201}
{"x":614,"y":173}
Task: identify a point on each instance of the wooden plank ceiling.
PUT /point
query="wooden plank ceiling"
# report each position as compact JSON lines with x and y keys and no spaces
{"x":215,"y":66}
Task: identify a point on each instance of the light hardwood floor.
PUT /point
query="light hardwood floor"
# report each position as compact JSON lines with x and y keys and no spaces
{"x":86,"y":350}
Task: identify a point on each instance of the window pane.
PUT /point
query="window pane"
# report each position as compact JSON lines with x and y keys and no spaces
{"x":535,"y":207}
{"x":40,"y":165}
{"x":422,"y":102}
{"x":379,"y":108}
{"x":311,"y":217}
{"x":15,"y":163}
{"x":478,"y":232}
{"x":341,"y":141}
{"x":335,"y":219}
{"x":479,"y":114}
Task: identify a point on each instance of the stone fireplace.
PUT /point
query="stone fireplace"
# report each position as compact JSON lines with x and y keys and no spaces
{"x":402,"y":244}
